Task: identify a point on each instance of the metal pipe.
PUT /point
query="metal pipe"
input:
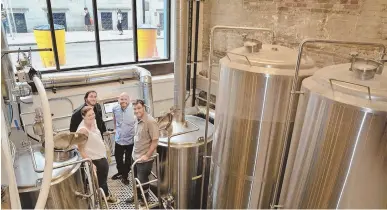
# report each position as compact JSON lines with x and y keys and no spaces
{"x":65,"y":79}
{"x":291,"y":101}
{"x":197,"y":19}
{"x":189,"y":59}
{"x":3,"y":52}
{"x":215,"y":28}
{"x":180,"y":64}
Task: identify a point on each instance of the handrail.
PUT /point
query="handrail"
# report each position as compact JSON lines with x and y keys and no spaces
{"x":294,"y":90}
{"x":351,"y":83}
{"x":210,"y":65}
{"x":134,"y":180}
{"x":104,"y":197}
{"x":143,"y":194}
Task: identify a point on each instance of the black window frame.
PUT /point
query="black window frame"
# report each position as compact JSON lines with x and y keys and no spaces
{"x":97,"y":40}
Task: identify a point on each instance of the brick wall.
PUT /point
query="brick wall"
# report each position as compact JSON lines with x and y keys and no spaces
{"x":295,"y":20}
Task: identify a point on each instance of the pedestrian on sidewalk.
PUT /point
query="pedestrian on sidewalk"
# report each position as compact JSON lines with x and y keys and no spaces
{"x":87,"y":20}
{"x":119,"y":22}
{"x":124,"y":121}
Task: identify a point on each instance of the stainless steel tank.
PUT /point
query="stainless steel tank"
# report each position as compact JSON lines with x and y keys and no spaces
{"x":67,"y":182}
{"x":338,"y":153}
{"x":186,"y":152}
{"x":254,"y":87}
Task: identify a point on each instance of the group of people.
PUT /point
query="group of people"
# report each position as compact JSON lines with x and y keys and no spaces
{"x":136,"y":139}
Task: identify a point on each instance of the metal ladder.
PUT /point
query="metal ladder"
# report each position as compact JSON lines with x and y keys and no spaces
{"x":136,"y":183}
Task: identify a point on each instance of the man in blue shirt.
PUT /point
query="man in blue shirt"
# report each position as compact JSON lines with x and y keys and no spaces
{"x":124,"y":121}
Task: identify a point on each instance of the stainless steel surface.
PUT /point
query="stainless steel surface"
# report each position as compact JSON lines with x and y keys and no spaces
{"x":338,"y":151}
{"x":250,"y":123}
{"x":294,"y":98}
{"x":365,"y":69}
{"x":210,"y":65}
{"x":65,"y":181}
{"x":180,"y":55}
{"x":64,"y":155}
{"x":187,"y":151}
{"x":178,"y":129}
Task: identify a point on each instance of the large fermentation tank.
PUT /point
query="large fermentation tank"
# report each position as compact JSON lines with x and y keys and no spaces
{"x":186,"y":162}
{"x":66,"y":182}
{"x":338,"y":153}
{"x":254,"y":89}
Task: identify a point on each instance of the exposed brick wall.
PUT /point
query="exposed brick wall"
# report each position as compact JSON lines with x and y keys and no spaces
{"x":295,"y":20}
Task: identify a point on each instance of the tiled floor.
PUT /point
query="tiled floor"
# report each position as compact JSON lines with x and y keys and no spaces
{"x":123,"y":192}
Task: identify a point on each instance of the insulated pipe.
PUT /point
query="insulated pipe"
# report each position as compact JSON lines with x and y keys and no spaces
{"x":215,"y":28}
{"x":180,"y":64}
{"x":294,"y":91}
{"x":48,"y":145}
{"x":65,"y":79}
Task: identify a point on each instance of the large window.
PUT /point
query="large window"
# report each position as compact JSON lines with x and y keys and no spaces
{"x":88,"y":33}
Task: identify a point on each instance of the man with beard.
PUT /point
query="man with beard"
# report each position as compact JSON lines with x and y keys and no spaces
{"x":145,"y":143}
{"x":90,"y":100}
{"x":124,"y":121}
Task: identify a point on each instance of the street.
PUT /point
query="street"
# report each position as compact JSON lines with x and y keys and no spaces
{"x":84,"y":54}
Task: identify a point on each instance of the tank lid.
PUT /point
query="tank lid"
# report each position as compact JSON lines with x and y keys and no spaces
{"x":268,"y":56}
{"x":190,"y":139}
{"x":27,"y":179}
{"x":340,"y":78}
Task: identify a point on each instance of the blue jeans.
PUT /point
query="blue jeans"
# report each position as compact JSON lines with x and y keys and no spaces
{"x":142,"y":172}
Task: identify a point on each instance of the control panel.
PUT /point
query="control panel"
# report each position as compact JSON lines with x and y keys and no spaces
{"x":107,"y":108}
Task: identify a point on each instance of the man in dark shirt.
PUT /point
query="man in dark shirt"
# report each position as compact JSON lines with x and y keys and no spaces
{"x":90,"y":100}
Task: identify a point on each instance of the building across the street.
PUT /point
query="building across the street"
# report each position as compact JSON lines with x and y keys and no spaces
{"x":22,"y":16}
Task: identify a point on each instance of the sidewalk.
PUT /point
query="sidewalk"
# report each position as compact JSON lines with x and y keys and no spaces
{"x":21,"y":39}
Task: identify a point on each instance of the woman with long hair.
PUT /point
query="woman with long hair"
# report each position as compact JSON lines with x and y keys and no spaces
{"x":95,"y":149}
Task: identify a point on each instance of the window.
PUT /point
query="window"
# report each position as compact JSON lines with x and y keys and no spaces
{"x":20,"y":22}
{"x":60,"y":19}
{"x":89,"y":33}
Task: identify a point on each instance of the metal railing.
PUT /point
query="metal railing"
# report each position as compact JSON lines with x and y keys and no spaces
{"x":139,"y":184}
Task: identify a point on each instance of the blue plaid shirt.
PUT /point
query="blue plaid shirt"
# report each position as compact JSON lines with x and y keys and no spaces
{"x":125,"y":121}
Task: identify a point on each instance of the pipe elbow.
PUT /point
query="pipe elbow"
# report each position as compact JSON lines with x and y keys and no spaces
{"x":144,"y":75}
